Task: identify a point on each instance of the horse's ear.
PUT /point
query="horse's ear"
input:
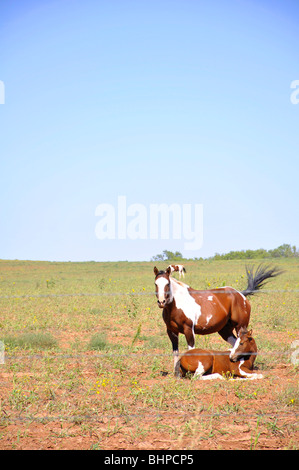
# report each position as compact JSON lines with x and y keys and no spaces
{"x":168,"y":270}
{"x":156,"y":270}
{"x":250,"y":332}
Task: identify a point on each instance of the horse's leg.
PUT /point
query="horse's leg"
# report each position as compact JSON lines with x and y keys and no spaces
{"x":240,"y":312}
{"x":212,"y":377}
{"x":227,"y":334}
{"x":189,"y":335}
{"x":249,"y":374}
{"x":174,"y":338}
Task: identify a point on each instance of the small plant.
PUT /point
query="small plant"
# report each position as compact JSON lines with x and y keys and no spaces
{"x":289,"y":396}
{"x":30,"y":341}
{"x":136,"y":336}
{"x":101,"y":284}
{"x":133,"y":308}
{"x":21,"y":399}
{"x":95,"y":311}
{"x":98,"y":342}
{"x":253,"y":443}
{"x":50,"y":283}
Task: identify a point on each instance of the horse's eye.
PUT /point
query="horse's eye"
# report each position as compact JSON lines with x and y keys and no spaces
{"x":241,"y":344}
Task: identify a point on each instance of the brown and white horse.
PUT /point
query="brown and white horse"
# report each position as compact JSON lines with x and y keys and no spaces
{"x":209,"y":364}
{"x":177,"y":268}
{"x":190,"y":312}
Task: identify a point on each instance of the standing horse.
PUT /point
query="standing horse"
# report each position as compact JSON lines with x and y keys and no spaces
{"x":178,"y":268}
{"x":238,"y":362}
{"x":189,"y":311}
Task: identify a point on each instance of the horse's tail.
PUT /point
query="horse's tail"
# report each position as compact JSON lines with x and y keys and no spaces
{"x":257,"y":281}
{"x":184,"y":270}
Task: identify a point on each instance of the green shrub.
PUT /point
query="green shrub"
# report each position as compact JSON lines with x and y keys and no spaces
{"x":98,"y":341}
{"x":30,"y":341}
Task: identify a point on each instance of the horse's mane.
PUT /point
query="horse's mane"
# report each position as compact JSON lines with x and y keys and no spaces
{"x":180,"y":283}
{"x":160,"y":272}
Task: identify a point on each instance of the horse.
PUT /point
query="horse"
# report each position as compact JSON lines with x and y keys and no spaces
{"x":178,"y":267}
{"x":189,"y":311}
{"x":209,"y":364}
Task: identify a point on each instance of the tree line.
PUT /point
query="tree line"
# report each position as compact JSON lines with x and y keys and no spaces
{"x":283,"y":251}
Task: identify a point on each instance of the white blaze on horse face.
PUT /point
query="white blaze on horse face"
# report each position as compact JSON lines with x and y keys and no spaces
{"x":161,"y":282}
{"x":231,"y":340}
{"x":185,"y":301}
{"x":236,"y":345}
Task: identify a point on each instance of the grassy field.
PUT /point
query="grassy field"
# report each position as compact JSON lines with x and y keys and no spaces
{"x":88,"y":364}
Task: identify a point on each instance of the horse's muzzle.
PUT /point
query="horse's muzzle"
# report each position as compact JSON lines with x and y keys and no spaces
{"x":161,"y":304}
{"x":233,"y":358}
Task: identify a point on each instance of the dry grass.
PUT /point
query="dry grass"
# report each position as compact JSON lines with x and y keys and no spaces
{"x":95,"y":370}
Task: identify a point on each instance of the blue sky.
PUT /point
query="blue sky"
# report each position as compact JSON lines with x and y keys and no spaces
{"x":183,"y":102}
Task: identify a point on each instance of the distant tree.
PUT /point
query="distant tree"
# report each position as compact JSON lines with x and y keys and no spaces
{"x":157,"y":258}
{"x":283,"y":251}
{"x":168,"y":256}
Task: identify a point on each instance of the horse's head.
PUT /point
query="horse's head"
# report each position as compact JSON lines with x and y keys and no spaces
{"x":244,"y":346}
{"x":163,"y":287}
{"x":171,"y":267}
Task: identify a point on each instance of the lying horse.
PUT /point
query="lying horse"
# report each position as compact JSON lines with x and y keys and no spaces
{"x":177,"y":268}
{"x":238,"y":362}
{"x":189,"y":311}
